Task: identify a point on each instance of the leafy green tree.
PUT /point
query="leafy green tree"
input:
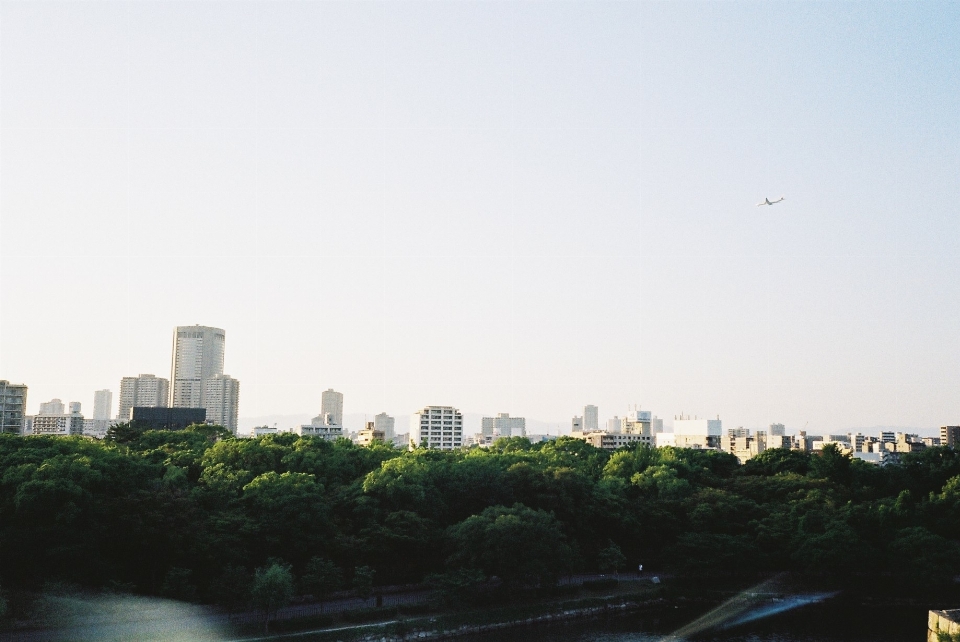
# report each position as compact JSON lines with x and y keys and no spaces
{"x":832,"y":465}
{"x":459,"y":586}
{"x":611,"y":559}
{"x":178,"y":584}
{"x":232,"y":587}
{"x":363,"y":581}
{"x":125,"y":433}
{"x":321,"y":578}
{"x":521,"y":546}
{"x":272,"y":589}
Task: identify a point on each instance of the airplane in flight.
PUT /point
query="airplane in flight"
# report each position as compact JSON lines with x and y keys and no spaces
{"x":767,"y":201}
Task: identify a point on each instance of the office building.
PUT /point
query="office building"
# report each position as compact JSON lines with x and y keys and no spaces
{"x":144,"y":391}
{"x":503,"y":425}
{"x":613,"y":425}
{"x":197,"y":357}
{"x":61,"y":424}
{"x":437,"y":427}
{"x":777,"y":430}
{"x":165,"y":418}
{"x":591,"y":420}
{"x":331,"y":407}
{"x":221,"y":399}
{"x":576,"y":425}
{"x":950,"y":436}
{"x":52,"y":407}
{"x":385,"y":424}
{"x":13,"y":407}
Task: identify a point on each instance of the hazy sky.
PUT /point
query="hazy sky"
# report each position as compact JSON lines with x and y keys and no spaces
{"x":515,"y":207}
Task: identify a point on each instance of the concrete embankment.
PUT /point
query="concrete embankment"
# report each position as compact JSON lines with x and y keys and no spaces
{"x":587,"y":613}
{"x":943,"y":622}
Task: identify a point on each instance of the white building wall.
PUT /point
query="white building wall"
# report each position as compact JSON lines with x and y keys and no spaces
{"x":438,"y":427}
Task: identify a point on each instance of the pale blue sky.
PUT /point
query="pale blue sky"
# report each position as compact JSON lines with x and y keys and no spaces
{"x":515,"y":207}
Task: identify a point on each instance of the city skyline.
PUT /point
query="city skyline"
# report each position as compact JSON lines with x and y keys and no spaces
{"x":557,"y":199}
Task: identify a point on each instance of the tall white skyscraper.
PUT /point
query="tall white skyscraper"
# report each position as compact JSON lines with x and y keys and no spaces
{"x":384,"y":423}
{"x":102,"y":404}
{"x":331,"y":406}
{"x":591,"y":421}
{"x":437,"y":427}
{"x":144,"y":391}
{"x":221,"y":398}
{"x":197,"y":356}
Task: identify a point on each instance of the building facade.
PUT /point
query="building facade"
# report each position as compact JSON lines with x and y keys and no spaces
{"x":331,"y":406}
{"x":437,"y":427}
{"x":197,"y":357}
{"x":165,"y":418}
{"x":370,"y":435}
{"x":221,"y":399}
{"x":591,"y":419}
{"x":61,"y":424}
{"x":144,"y":391}
{"x":950,"y":436}
{"x":102,"y":404}
{"x":13,"y":407}
{"x":52,"y":407}
{"x":697,"y":433}
{"x":503,"y":425}
{"x":385,"y":424}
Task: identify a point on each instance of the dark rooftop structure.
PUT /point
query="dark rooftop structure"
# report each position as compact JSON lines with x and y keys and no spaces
{"x":157,"y":418}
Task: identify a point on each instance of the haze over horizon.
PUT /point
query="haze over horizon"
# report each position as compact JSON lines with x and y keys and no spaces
{"x":504,"y":207}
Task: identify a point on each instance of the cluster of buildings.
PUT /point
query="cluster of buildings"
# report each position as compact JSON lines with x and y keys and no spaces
{"x":198,"y":391}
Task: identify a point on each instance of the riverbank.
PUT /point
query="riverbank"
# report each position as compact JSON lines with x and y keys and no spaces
{"x":443,"y":625}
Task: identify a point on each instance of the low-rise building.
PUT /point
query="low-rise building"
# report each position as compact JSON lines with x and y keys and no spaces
{"x":369,"y":435}
{"x":61,"y":424}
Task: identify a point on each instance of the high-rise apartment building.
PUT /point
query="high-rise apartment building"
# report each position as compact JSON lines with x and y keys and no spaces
{"x":331,"y":407}
{"x":13,"y":407}
{"x":576,"y":424}
{"x":197,"y":357}
{"x":102,"y":404}
{"x":437,"y":427}
{"x":385,"y":424}
{"x":221,"y":398}
{"x":52,"y":407}
{"x":591,"y":419}
{"x":950,"y":436}
{"x":144,"y":391}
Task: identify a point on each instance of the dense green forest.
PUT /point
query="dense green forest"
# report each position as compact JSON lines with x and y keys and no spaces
{"x":193,"y":513}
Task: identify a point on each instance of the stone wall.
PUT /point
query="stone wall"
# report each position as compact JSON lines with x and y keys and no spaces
{"x":943,"y":622}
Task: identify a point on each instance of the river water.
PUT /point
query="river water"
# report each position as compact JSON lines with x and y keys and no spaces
{"x":837,"y":622}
